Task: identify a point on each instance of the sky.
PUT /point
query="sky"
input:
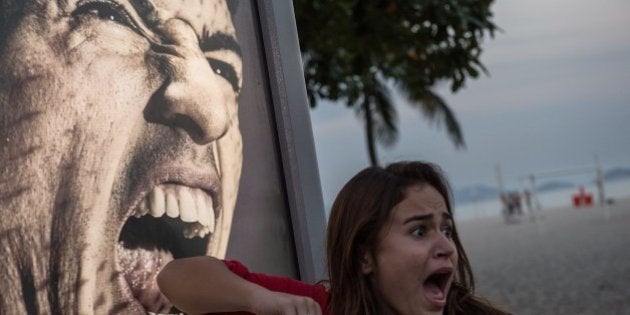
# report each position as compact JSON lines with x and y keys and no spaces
{"x":557,"y":94}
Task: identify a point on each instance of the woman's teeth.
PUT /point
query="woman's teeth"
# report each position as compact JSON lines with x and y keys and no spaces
{"x":191,"y":205}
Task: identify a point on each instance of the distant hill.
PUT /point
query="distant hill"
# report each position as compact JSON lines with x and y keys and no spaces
{"x":617,"y":173}
{"x":474,"y":193}
{"x":553,"y":185}
{"x":481,"y":192}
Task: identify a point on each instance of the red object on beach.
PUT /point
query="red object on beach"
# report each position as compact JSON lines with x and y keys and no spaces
{"x":582,"y":198}
{"x":576,"y":201}
{"x":588,"y":200}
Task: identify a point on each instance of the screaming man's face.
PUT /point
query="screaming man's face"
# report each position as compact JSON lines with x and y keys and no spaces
{"x":119,"y":148}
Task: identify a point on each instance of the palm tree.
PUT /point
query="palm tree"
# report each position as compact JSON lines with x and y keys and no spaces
{"x":359,"y":52}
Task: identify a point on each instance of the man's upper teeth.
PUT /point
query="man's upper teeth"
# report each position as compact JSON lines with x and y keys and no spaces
{"x":142,"y":209}
{"x":191,"y":205}
{"x":187,"y":207}
{"x":157,"y":202}
{"x":172,"y":206}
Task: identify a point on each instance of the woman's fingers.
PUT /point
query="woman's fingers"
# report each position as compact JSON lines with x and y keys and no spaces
{"x":304,"y":305}
{"x":312,"y":307}
{"x":286,"y":304}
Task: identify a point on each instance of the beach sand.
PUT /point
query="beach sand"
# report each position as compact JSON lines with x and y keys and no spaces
{"x":568,"y":261}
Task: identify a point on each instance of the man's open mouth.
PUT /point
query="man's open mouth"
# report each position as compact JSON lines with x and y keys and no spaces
{"x":171,"y":221}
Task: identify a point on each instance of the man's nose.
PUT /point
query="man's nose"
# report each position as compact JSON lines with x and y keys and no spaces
{"x":192,"y":98}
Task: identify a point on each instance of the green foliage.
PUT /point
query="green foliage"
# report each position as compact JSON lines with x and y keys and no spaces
{"x":355,"y":51}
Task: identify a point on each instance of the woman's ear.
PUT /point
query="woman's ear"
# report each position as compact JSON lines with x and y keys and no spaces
{"x":367,"y":263}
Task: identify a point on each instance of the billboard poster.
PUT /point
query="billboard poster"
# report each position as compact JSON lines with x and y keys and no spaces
{"x":134,"y":132}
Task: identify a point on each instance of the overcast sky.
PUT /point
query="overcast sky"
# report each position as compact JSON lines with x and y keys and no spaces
{"x":558,"y":92}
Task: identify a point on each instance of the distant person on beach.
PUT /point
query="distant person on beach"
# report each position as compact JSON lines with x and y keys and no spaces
{"x":527,"y":194}
{"x":392,"y":248}
{"x":528,"y":200}
{"x":512,"y":206}
{"x":516,"y":203}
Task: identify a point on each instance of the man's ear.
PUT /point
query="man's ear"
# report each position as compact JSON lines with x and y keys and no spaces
{"x":367,"y":263}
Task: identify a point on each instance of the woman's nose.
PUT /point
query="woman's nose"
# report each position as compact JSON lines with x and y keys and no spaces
{"x":444,"y":247}
{"x":191,"y":98}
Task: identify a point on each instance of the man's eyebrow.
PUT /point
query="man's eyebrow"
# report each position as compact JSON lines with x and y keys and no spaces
{"x":220,"y":41}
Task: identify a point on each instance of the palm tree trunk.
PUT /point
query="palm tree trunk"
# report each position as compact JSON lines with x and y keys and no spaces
{"x":369,"y":131}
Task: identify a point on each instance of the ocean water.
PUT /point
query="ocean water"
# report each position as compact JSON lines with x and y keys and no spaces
{"x":548,"y":201}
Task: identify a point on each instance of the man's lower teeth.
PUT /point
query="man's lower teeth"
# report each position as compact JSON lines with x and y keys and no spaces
{"x":196,"y":230}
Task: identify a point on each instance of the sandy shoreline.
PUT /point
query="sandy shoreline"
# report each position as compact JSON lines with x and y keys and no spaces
{"x":569,"y":261}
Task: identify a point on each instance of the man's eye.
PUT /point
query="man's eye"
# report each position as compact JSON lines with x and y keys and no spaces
{"x":225,"y":70}
{"x":105,"y":10}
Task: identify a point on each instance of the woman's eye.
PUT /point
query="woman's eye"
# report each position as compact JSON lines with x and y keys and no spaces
{"x":226,"y":71}
{"x":447,"y":231}
{"x":418,"y":231}
{"x":104,"y":10}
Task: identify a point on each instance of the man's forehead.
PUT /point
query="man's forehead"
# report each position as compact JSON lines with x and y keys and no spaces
{"x":212,"y":15}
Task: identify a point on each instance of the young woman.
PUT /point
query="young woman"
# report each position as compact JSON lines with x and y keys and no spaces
{"x":392,"y":248}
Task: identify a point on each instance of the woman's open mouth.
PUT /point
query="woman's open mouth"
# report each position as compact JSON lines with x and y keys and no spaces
{"x":436,"y":286}
{"x":171,"y":221}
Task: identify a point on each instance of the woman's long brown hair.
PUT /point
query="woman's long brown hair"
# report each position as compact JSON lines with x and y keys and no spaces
{"x":357,"y":216}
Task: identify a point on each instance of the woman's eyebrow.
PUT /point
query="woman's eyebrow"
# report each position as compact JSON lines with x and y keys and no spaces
{"x":426,"y":217}
{"x":421,"y":217}
{"x":220,"y":41}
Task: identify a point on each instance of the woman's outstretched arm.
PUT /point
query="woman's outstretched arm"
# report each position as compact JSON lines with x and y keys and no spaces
{"x":204,"y":284}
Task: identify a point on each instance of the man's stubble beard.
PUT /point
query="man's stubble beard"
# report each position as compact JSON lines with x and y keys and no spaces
{"x":63,"y":249}
{"x":48,"y":236}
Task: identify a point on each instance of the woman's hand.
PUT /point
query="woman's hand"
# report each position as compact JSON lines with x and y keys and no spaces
{"x":266,"y":302}
{"x":199,"y":285}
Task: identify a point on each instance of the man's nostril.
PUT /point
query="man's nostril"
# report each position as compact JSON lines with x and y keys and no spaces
{"x":187,"y":123}
{"x":193,"y":105}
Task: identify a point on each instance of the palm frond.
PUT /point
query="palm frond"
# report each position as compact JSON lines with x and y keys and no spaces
{"x":437,"y":111}
{"x":386,"y":116}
